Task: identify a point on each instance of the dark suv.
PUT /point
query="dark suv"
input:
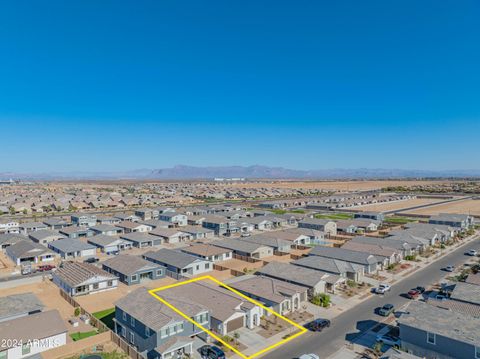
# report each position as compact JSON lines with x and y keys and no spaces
{"x":211,"y":352}
{"x":318,"y":325}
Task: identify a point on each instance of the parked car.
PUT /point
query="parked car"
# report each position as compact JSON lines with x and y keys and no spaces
{"x":472,"y":252}
{"x":27,"y":269}
{"x":318,"y":325}
{"x":383,"y":288}
{"x":45,"y":268}
{"x":309,"y":356}
{"x":389,"y":340}
{"x":211,"y":352}
{"x":450,"y":268}
{"x":421,"y":290}
{"x":91,"y":260}
{"x":386,"y":310}
{"x":413,"y":294}
{"x":246,"y":234}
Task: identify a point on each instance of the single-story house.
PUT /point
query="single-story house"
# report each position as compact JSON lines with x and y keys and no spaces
{"x":77,"y":278}
{"x":26,"y":251}
{"x":173,"y":217}
{"x":209,"y":252}
{"x":30,"y":335}
{"x":124,"y":217}
{"x":197,"y":232}
{"x":388,"y":255}
{"x":87,"y":220}
{"x":341,"y":268}
{"x":458,"y":221}
{"x":245,"y":248}
{"x":72,"y":248}
{"x":45,"y":236}
{"x":171,"y":235}
{"x":56,"y":223}
{"x":132,"y":227}
{"x":106,"y":229}
{"x":279,"y":295}
{"x":133,"y":269}
{"x":7,"y":239}
{"x":19,"y":305}
{"x":179,"y":263}
{"x":74,"y":232}
{"x":108,"y":220}
{"x":28,"y":227}
{"x":109,"y":244}
{"x":318,"y":224}
{"x":261,"y":223}
{"x":142,"y":240}
{"x":279,"y":245}
{"x":367,"y":260}
{"x":376,"y":216}
{"x":313,"y":280}
{"x":386,"y":242}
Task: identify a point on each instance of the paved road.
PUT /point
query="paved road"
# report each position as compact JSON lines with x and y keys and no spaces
{"x":360,"y":318}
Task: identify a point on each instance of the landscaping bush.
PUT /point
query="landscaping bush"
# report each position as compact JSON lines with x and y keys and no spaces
{"x":321,"y":299}
{"x":411,"y":257}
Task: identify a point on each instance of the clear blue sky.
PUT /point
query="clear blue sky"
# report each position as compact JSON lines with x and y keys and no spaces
{"x":116,"y":85}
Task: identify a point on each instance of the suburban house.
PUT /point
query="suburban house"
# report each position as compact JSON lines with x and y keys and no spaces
{"x":218,"y":224}
{"x":74,"y":232}
{"x":387,"y":242}
{"x":72,"y":248}
{"x":45,"y":236}
{"x":142,"y":240}
{"x":260,"y":223}
{"x":419,"y":244}
{"x":388,"y":255}
{"x":245,"y":249}
{"x":109,"y":244}
{"x":108,"y":220}
{"x":29,"y":335}
{"x":156,"y":223}
{"x":28,"y":227}
{"x":9,"y":226}
{"x":228,"y":311}
{"x":124,"y":217}
{"x":87,"y":220}
{"x":426,"y":331}
{"x":146,"y":213}
{"x":171,"y":235}
{"x":359,"y":225}
{"x":208,"y":252}
{"x":106,"y":229}
{"x":195,"y":220}
{"x":19,"y":305}
{"x":295,"y":238}
{"x":76,"y":278}
{"x":279,"y":245}
{"x":440,"y":232}
{"x":56,"y":223}
{"x":323,"y":225}
{"x":133,"y":269}
{"x":132,"y":227}
{"x":281,"y":296}
{"x":376,"y":216}
{"x":197,"y":232}
{"x":7,"y":239}
{"x":367,"y":260}
{"x":153,"y":328}
{"x":179,"y":263}
{"x":313,"y":280}
{"x":458,"y":221}
{"x":341,"y":268}
{"x":26,"y":251}
{"x":173,"y":217}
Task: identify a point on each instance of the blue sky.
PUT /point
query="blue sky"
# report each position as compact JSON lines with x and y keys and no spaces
{"x":117,"y":85}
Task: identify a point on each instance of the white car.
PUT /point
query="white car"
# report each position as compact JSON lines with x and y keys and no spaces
{"x":472,"y":252}
{"x":389,"y":340}
{"x":383,"y":288}
{"x":309,"y":356}
{"x":450,"y":268}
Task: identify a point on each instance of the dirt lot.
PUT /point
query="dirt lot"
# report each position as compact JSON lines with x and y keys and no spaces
{"x":468,"y":206}
{"x":397,"y":205}
{"x":105,"y":300}
{"x":336,"y":185}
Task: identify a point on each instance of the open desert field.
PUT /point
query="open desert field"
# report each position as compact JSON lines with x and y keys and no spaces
{"x":335,"y":185}
{"x":398,"y":205}
{"x":468,"y":206}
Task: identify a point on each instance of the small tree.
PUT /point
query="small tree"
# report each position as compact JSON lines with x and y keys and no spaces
{"x":76,"y":312}
{"x":236,"y":336}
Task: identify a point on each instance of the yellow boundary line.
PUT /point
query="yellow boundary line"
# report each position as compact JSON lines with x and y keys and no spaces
{"x":213,"y":335}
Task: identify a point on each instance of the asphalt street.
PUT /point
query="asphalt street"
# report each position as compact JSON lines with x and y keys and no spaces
{"x":361,"y":318}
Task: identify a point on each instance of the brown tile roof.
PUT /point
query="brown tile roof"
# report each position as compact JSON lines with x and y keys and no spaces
{"x":75,"y":273}
{"x":205,"y":250}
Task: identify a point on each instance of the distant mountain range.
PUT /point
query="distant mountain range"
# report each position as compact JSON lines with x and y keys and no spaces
{"x":183,"y":172}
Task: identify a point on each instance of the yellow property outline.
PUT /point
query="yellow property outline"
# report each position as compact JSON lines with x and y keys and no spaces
{"x":213,"y":335}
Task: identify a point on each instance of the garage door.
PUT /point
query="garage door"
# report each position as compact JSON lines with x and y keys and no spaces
{"x":234,"y":324}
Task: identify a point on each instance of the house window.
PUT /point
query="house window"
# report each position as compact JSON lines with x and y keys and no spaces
{"x":147,"y":331}
{"x":95,"y":286}
{"x":123,"y":331}
{"x":25,"y":349}
{"x":477,"y":352}
{"x":163,"y":333}
{"x":124,"y":316}
{"x":132,"y":338}
{"x":132,"y":321}
{"x":431,"y":338}
{"x":207,"y":266}
{"x":134,"y":277}
{"x":159,"y":272}
{"x":109,"y":283}
{"x":197,"y":267}
{"x":202,"y":318}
